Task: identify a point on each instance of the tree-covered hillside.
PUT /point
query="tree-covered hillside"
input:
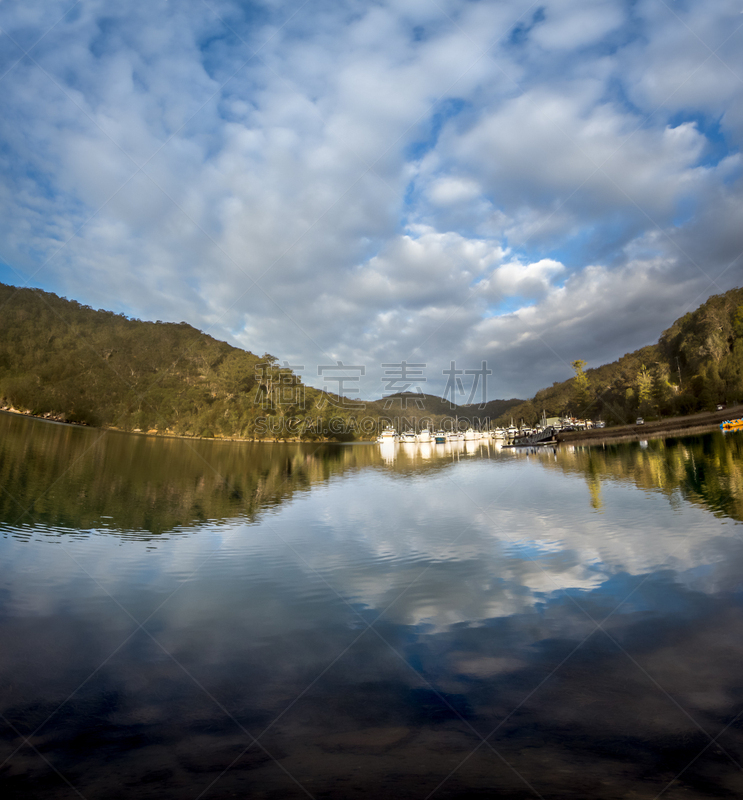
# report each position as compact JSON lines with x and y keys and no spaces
{"x":697,"y":363}
{"x":68,"y":361}
{"x":436,"y":412}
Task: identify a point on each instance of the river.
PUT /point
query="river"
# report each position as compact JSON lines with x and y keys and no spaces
{"x":213,"y":619}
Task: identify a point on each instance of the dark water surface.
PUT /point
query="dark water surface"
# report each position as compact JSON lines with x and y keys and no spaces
{"x":205,"y":619}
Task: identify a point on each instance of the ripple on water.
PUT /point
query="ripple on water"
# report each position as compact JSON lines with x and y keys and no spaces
{"x":480,"y":581}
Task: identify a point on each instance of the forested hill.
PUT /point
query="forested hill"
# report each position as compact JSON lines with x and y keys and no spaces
{"x":417,"y":405}
{"x":66,"y":361}
{"x":69,"y":361}
{"x":697,"y":363}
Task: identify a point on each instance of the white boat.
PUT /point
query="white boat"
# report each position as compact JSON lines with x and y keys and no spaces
{"x":457,"y":445}
{"x":408,"y":437}
{"x":424,"y":435}
{"x":387,"y":435}
{"x":470,"y":435}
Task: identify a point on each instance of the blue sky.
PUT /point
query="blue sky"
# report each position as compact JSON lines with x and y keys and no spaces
{"x":420,"y":180}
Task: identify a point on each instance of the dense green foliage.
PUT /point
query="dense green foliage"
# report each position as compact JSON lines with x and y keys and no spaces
{"x":697,"y":363}
{"x":71,"y":362}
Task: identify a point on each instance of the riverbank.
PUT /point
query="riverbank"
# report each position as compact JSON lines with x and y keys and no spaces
{"x":671,"y":426}
{"x":166,"y":434}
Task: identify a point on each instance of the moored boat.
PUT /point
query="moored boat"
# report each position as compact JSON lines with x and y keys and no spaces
{"x":732,"y":424}
{"x":389,"y":434}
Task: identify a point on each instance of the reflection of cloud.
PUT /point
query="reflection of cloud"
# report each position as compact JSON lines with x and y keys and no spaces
{"x":425,"y":551}
{"x":263,"y":616}
{"x":486,"y":666}
{"x":478,"y":540}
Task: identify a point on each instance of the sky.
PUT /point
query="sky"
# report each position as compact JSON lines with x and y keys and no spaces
{"x":437,"y":182}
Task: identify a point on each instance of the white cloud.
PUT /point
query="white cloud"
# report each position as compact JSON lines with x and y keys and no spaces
{"x":447,"y":191}
{"x":397,"y":178}
{"x":524,"y":280}
{"x":572,"y":24}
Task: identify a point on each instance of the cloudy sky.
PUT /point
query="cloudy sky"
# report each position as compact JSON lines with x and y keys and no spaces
{"x":519,"y":182}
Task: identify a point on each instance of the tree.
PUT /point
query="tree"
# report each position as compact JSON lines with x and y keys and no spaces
{"x":581,"y":391}
{"x":236,"y":375}
{"x":660,"y":388}
{"x":716,"y":386}
{"x":644,"y":385}
{"x":738,"y":322}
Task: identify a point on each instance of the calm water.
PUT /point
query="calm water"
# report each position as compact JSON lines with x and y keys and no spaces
{"x":204,"y":619}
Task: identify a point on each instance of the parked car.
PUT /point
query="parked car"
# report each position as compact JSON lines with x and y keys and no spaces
{"x":721,"y":406}
{"x":600,"y":424}
{"x":639,"y":421}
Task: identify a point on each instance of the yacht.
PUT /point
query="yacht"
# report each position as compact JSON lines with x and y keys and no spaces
{"x":387,"y":435}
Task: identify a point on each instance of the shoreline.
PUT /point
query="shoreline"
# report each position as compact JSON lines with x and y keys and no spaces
{"x":701,"y":422}
{"x":167,"y":434}
{"x":672,"y":426}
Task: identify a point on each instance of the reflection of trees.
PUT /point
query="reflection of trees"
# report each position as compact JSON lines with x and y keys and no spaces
{"x":707,"y":470}
{"x":594,"y":487}
{"x":78,"y":478}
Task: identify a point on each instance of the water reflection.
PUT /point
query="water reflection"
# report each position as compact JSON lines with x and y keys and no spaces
{"x":369,"y":613}
{"x":412,"y":453}
{"x":706,"y":470}
{"x":81,"y":479}
{"x":70,"y":478}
